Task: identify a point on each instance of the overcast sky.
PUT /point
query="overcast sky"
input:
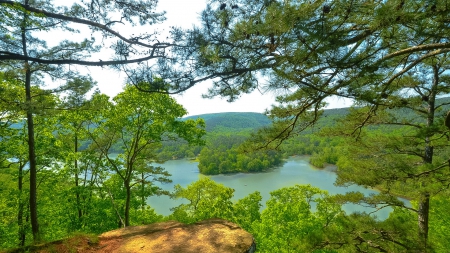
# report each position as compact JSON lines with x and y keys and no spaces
{"x":186,"y":13}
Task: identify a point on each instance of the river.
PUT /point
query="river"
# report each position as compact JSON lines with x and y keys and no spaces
{"x":296,"y":170}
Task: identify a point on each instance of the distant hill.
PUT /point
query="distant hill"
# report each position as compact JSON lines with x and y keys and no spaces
{"x":335,"y":112}
{"x":233,"y":121}
{"x":238,"y":121}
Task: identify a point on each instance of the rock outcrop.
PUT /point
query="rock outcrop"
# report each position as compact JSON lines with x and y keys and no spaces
{"x":213,"y":235}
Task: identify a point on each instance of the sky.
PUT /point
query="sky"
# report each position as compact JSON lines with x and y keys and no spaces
{"x":185,"y":14}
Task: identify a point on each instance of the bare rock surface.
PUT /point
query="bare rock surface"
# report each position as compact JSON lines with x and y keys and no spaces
{"x":213,"y":235}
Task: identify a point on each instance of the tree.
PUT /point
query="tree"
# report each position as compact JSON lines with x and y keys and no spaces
{"x":439,"y":223}
{"x":221,"y":156}
{"x":409,"y":155}
{"x":25,"y":26}
{"x":246,"y":211}
{"x":12,"y":157}
{"x":312,"y":51}
{"x":291,"y":223}
{"x":13,"y":148}
{"x":137,"y":123}
{"x":72,"y":122}
{"x":207,"y":199}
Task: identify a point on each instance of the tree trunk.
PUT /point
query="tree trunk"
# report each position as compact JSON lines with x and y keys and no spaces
{"x":115,"y":208}
{"x":127,"y":204}
{"x":30,"y":127}
{"x":424,"y":209}
{"x":424,"y":201}
{"x":32,"y":158}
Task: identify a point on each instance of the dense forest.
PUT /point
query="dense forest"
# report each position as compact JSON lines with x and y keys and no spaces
{"x":73,"y":160}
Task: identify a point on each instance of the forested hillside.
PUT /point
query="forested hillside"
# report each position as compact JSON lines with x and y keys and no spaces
{"x":239,"y":121}
{"x":233,"y":121}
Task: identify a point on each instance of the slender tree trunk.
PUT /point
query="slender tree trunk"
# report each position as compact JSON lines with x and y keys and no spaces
{"x":31,"y":142}
{"x":115,"y":208}
{"x":127,"y":203}
{"x":423,"y":211}
{"x":33,"y":166}
{"x":424,"y":201}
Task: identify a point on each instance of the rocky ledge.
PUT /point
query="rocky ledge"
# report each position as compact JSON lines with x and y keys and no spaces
{"x":213,"y":235}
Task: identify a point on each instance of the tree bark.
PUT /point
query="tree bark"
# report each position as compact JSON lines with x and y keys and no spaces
{"x":423,"y":212}
{"x":120,"y":222}
{"x":424,"y":201}
{"x":127,"y":203}
{"x":30,"y":128}
{"x":32,"y":158}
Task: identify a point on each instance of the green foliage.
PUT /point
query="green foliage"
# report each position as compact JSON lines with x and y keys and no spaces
{"x":383,"y":55}
{"x":390,"y":57}
{"x":297,"y":218}
{"x":228,"y":130}
{"x":136,"y":124}
{"x":246,"y":211}
{"x":216,"y":161}
{"x":207,"y":199}
{"x":30,"y":60}
{"x":222,"y":154}
{"x":233,"y":121}
{"x":440,"y":223}
{"x":235,"y":126}
{"x":145,"y":216}
{"x":9,"y":198}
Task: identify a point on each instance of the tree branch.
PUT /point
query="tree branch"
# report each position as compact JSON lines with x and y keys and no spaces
{"x":75,"y":20}
{"x":12,"y":56}
{"x":414,"y":49}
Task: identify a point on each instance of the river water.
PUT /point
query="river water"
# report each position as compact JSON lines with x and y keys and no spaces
{"x":296,"y":170}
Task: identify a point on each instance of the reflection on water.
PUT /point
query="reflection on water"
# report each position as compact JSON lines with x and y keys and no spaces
{"x":294,"y":171}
